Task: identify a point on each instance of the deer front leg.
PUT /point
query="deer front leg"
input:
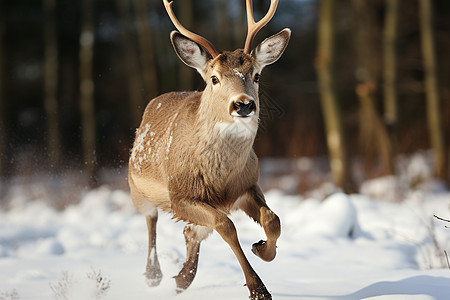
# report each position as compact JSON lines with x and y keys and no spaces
{"x":200,"y":213}
{"x":153,"y":270}
{"x":254,"y":205}
{"x":193,"y":235}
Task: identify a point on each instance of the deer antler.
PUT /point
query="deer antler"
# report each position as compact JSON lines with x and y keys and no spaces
{"x":253,"y":27}
{"x":195,"y":37}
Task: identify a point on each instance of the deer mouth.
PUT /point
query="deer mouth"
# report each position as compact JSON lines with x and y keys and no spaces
{"x":236,"y":115}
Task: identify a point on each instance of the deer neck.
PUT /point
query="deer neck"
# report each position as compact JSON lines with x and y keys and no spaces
{"x":223,"y":146}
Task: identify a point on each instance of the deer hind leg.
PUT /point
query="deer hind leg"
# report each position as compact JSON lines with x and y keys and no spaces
{"x":254,"y":205}
{"x":198,"y":212}
{"x":193,"y":235}
{"x":153,"y":270}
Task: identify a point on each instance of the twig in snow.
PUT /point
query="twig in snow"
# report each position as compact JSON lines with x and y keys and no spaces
{"x":102,"y":283}
{"x":442,"y":219}
{"x":10,"y":295}
{"x":61,"y":288}
{"x":446,"y":256}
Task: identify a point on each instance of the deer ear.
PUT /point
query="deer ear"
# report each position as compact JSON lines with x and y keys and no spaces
{"x":271,"y":49}
{"x":190,"y":52}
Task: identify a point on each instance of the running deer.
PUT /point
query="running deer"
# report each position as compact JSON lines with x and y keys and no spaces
{"x":193,"y":157}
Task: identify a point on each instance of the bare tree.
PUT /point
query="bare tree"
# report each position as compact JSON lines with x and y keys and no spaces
{"x":186,"y":12}
{"x":332,"y":116}
{"x":147,"y":53}
{"x":131,"y":63}
{"x":223,"y":30}
{"x":433,"y":97}
{"x":372,"y":128}
{"x":239,"y":29}
{"x":2,"y":106}
{"x":51,"y":82}
{"x":87,"y":89}
{"x":390,"y":62}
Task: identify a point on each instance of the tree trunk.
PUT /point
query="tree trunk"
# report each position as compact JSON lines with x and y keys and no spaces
{"x":223,"y":27}
{"x":131,"y":64}
{"x":147,"y":52}
{"x":186,"y":12}
{"x":3,"y":131}
{"x":340,"y":166}
{"x":390,"y":62}
{"x":239,"y":30}
{"x":434,"y":105}
{"x":372,"y":128}
{"x":87,"y":89}
{"x":51,"y":83}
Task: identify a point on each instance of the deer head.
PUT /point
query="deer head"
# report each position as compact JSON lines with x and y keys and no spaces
{"x":231,"y":93}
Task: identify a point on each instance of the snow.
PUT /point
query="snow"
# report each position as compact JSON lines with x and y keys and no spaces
{"x":239,"y":74}
{"x":345,"y":247}
{"x":150,"y":146}
{"x":136,"y":155}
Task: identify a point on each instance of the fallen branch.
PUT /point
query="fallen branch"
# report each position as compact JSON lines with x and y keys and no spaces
{"x":442,"y":219}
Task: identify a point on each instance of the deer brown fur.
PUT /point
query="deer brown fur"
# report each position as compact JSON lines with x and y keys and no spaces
{"x":193,"y":157}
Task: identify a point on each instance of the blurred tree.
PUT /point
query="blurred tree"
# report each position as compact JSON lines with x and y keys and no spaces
{"x":51,"y":82}
{"x":147,"y":51}
{"x":185,"y":74}
{"x":239,"y":29}
{"x":223,"y":28}
{"x":87,"y":106}
{"x":372,"y":128}
{"x":390,"y":33}
{"x":133,"y":78}
{"x":434,"y":105}
{"x":3,"y":131}
{"x":340,"y":166}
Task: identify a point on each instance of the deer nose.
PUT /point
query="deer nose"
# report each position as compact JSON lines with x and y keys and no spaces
{"x":244,"y":109}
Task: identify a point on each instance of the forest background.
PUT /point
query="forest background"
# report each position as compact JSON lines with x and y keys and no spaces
{"x":361,"y":83}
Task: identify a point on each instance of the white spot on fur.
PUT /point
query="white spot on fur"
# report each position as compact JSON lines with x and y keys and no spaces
{"x":150,"y":147}
{"x":147,"y":209}
{"x":161,"y":148}
{"x":237,"y":73}
{"x":168,"y":146}
{"x":201,"y":232}
{"x":136,"y":155}
{"x":241,"y":127}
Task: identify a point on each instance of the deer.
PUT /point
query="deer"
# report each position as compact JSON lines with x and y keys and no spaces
{"x":193,"y":154}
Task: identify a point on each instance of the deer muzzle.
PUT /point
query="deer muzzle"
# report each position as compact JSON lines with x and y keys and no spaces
{"x":243,"y":108}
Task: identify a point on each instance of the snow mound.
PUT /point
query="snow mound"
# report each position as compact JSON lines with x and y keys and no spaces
{"x":335,"y":217}
{"x":385,"y":188}
{"x":345,"y":247}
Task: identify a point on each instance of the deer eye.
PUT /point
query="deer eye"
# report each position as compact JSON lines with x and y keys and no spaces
{"x":214,"y":80}
{"x":257,"y":77}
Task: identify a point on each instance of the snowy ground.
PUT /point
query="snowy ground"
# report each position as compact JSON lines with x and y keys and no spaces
{"x":346,"y":247}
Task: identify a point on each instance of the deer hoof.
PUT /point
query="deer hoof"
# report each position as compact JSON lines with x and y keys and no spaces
{"x":264,"y":251}
{"x":153,"y":277}
{"x":260,"y":293}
